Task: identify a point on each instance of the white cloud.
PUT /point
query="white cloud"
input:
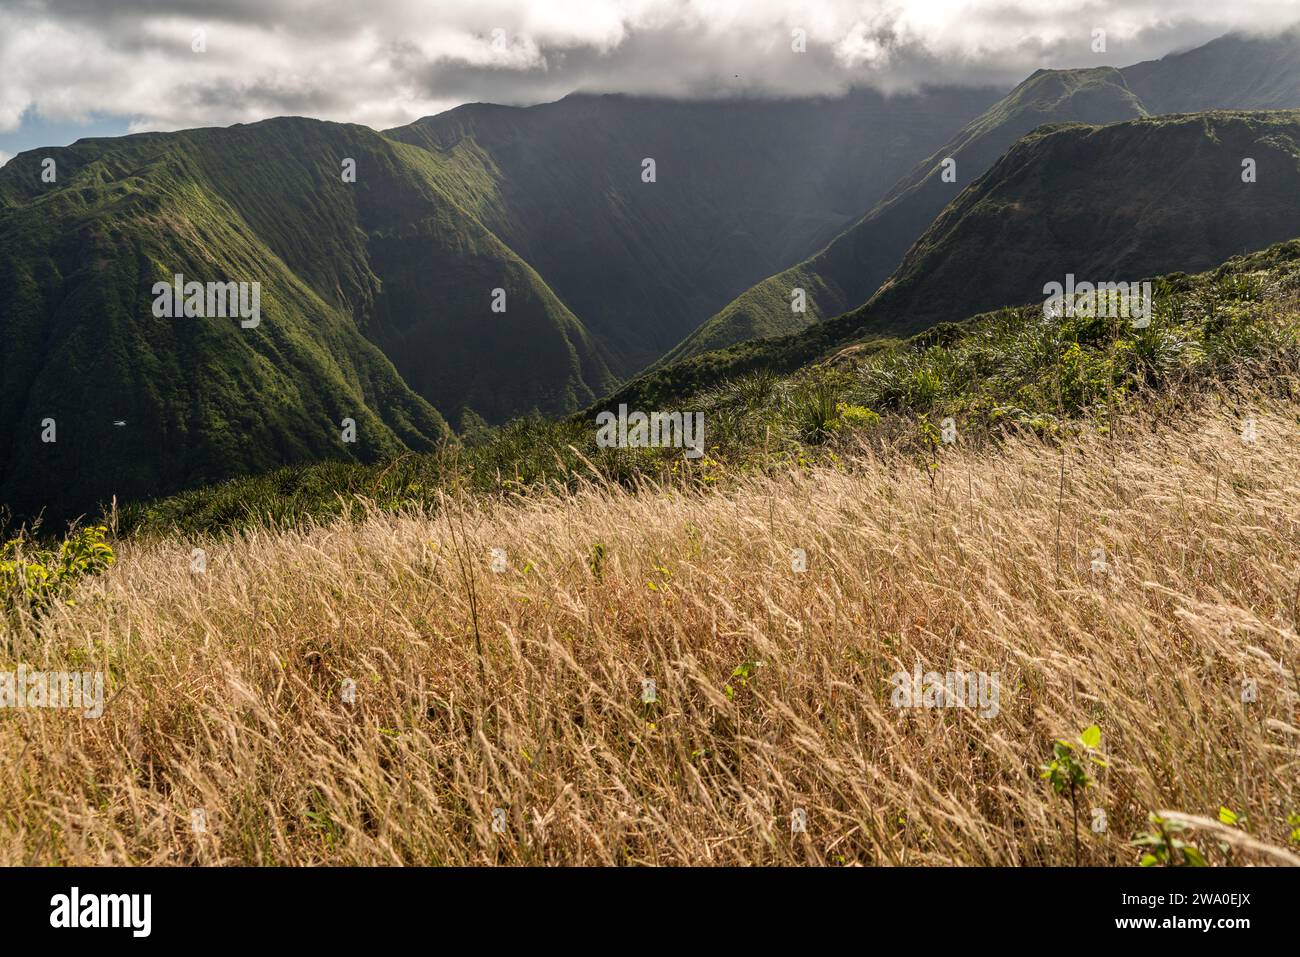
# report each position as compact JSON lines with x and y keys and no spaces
{"x":4,"y":157}
{"x":386,"y":62}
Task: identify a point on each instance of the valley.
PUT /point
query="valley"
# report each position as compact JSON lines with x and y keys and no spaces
{"x":767,"y":468}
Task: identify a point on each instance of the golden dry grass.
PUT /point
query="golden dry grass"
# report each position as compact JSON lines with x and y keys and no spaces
{"x":225,"y":687}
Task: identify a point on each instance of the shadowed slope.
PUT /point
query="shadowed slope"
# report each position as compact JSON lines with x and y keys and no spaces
{"x":1233,"y":72}
{"x":742,"y":188}
{"x":1117,"y":203}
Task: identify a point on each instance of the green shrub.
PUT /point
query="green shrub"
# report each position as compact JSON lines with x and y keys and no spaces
{"x":855,"y":416}
{"x":35,"y":578}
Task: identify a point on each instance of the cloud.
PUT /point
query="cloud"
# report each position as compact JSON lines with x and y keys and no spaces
{"x":168,"y":64}
{"x":4,"y":157}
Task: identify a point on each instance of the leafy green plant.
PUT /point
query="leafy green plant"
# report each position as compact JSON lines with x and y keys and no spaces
{"x":35,"y":577}
{"x":855,"y":416}
{"x":1068,"y":770}
{"x":1232,"y":819}
{"x":743,"y":671}
{"x":1165,"y":847}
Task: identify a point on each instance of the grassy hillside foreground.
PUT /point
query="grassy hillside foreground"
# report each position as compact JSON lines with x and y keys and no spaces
{"x":1099,"y":538}
{"x":522,"y":689}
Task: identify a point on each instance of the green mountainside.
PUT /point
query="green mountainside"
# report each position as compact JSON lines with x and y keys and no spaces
{"x":1233,"y":72}
{"x":743,"y":187}
{"x":1111,"y":203}
{"x":1106,"y":203}
{"x":347,"y":272}
{"x":1002,"y":373}
{"x":378,"y":295}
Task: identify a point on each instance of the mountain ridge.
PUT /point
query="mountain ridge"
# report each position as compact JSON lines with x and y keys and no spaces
{"x":1049,"y":207}
{"x":266,"y":203}
{"x":381,"y":293}
{"x":741,"y":187}
{"x":1235,"y":72}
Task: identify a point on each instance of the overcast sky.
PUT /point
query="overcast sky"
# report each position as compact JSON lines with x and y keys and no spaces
{"x":70,"y":68}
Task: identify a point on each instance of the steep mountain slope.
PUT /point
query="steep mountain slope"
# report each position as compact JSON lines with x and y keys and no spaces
{"x":342,"y":266}
{"x":1111,"y":203}
{"x":742,"y":188}
{"x":415,"y":269}
{"x":1009,"y":370}
{"x":850,"y":269}
{"x":1233,"y":72}
{"x":1107,"y":203}
{"x":1237,"y":71}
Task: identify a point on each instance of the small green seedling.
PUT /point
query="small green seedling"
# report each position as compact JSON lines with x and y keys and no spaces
{"x":1165,"y":848}
{"x":1068,"y":770}
{"x":744,"y":671}
{"x":1232,"y":819}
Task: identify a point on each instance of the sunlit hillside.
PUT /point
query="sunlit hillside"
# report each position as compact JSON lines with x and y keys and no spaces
{"x":1135,"y":581}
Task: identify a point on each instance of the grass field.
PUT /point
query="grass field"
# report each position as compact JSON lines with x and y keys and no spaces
{"x":523,"y":689}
